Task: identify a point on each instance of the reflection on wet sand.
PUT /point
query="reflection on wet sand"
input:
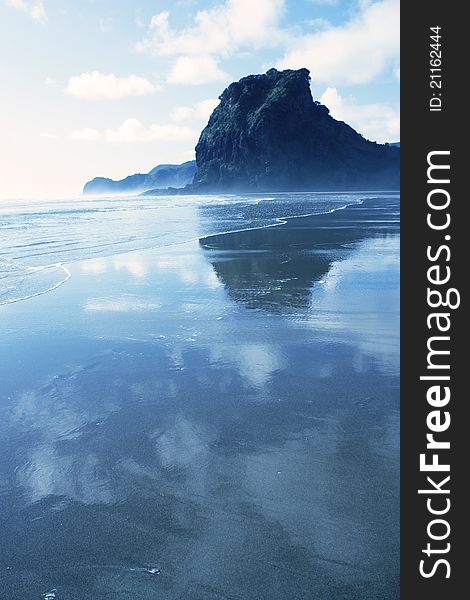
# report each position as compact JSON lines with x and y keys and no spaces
{"x":287,"y":479}
{"x":275,"y":267}
{"x":197,"y":449}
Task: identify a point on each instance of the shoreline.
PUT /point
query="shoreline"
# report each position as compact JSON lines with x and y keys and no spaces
{"x":193,"y":192}
{"x":242,"y":397}
{"x":279,"y":221}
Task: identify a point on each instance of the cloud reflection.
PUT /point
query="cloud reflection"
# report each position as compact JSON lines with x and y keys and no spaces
{"x":119,"y":305}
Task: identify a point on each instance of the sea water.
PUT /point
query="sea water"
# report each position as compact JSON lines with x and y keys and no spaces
{"x":39,"y":237}
{"x":200,"y":415}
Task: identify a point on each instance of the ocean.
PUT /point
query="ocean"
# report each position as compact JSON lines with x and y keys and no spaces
{"x":200,"y":397}
{"x":38,"y":237}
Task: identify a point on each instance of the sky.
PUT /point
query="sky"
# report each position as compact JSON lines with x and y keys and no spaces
{"x":113,"y":87}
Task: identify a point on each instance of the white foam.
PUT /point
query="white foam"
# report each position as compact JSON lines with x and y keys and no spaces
{"x":21,"y":282}
{"x":67,"y":231}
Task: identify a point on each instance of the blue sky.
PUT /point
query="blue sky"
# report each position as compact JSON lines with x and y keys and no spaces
{"x":112,"y":87}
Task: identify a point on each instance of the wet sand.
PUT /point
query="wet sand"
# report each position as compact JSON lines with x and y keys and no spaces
{"x":212,"y":420}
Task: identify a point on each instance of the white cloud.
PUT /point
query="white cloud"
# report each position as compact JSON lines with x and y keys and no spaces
{"x":132,"y":130}
{"x":182,"y":113}
{"x":34,"y":8}
{"x":100,"y":86}
{"x":196,"y":70}
{"x":378,"y":122}
{"x":220,"y":30}
{"x":352,"y":53}
{"x":201,"y":111}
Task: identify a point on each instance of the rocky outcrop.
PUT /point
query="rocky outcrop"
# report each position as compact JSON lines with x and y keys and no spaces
{"x":268,"y":133}
{"x":162,"y":176}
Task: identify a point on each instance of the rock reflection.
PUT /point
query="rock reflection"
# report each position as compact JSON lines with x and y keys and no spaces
{"x":276,"y":267}
{"x":236,"y":454}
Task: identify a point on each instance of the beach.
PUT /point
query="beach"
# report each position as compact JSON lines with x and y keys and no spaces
{"x":211,"y":414}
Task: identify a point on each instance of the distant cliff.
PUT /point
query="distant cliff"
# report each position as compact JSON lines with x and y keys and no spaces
{"x":162,"y":176}
{"x":267,"y":133}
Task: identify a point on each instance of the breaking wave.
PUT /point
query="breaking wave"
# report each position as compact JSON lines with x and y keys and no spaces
{"x":20,"y":282}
